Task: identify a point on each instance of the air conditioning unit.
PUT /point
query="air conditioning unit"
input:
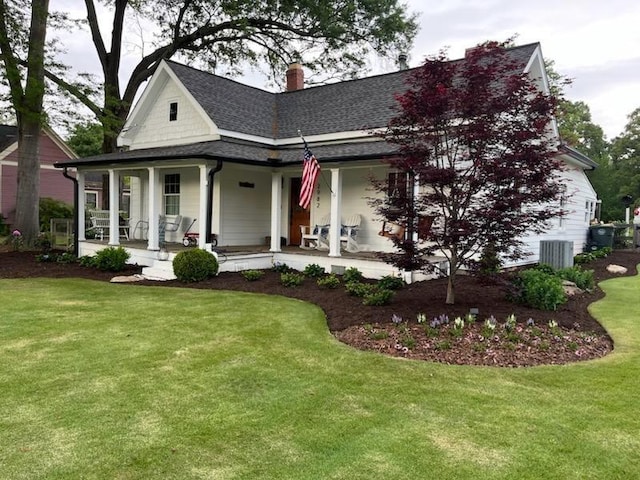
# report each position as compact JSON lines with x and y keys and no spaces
{"x":557,"y":253}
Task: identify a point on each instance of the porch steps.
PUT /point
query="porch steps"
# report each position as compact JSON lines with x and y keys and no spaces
{"x":159,"y":270}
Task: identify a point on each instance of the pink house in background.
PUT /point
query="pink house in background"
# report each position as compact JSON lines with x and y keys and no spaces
{"x":52,"y":183}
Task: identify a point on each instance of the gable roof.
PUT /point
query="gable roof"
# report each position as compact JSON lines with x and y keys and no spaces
{"x":237,"y":109}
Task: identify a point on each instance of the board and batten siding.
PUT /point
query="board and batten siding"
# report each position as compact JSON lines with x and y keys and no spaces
{"x":155,"y":129}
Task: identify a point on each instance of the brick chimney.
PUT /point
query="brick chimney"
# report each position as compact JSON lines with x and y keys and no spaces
{"x":295,"y":77}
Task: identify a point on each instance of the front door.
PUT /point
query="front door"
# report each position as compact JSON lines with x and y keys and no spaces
{"x":298,"y":215}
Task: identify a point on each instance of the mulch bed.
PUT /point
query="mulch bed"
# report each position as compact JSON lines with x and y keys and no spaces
{"x":581,"y":336}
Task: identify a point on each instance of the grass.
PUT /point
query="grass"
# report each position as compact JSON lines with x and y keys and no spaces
{"x":126,"y":382}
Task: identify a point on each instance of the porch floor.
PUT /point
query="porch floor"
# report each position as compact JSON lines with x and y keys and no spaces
{"x":246,"y":249}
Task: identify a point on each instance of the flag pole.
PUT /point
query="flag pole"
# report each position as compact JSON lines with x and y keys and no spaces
{"x":321,"y":173}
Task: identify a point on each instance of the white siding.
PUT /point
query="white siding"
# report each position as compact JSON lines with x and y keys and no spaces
{"x":155,"y":129}
{"x":245,"y":211}
{"x":575,"y":225}
{"x":356,"y":190}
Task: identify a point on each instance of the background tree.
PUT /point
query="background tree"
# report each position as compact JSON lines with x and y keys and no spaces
{"x":26,"y":86}
{"x":471,"y":135}
{"x":86,"y":139}
{"x":329,"y":36}
{"x":625,"y":158}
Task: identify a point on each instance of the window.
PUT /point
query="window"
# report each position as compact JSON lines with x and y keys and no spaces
{"x":172,"y":194}
{"x":173,"y":111}
{"x":563,"y":206}
{"x":90,"y":199}
{"x":589,"y":211}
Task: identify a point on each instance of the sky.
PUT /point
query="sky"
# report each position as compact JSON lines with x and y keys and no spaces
{"x":594,"y":42}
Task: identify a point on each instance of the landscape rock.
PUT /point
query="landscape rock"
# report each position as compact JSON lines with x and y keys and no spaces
{"x":128,"y":278}
{"x":570,"y":288}
{"x":617,"y":269}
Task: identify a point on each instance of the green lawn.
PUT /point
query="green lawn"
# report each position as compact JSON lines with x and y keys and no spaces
{"x":105,"y":381}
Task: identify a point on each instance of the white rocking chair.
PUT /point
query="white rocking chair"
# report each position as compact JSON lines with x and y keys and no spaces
{"x":316,"y":236}
{"x":349,"y":233}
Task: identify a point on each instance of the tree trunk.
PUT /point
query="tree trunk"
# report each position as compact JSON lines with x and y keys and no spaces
{"x":28,"y":108}
{"x":27,"y":196}
{"x":451,"y":284}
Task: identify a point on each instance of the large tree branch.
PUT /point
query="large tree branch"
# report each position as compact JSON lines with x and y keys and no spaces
{"x":75,"y":91}
{"x":96,"y":36}
{"x":208,"y":35}
{"x":9,"y":59}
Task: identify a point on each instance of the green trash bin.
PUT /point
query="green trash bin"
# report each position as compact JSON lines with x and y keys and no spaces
{"x":601,"y":236}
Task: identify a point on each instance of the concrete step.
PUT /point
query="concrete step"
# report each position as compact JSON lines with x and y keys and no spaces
{"x":160,"y":270}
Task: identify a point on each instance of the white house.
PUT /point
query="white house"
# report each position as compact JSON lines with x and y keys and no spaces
{"x":227,"y":158}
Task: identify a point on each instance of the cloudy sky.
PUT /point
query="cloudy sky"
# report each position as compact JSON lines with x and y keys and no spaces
{"x":594,"y":42}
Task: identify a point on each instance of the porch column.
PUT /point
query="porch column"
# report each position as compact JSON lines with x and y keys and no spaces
{"x":154,"y":209}
{"x":114,"y":207}
{"x":276,"y":211}
{"x":81,"y":207}
{"x":202,"y":208}
{"x":336,"y":212}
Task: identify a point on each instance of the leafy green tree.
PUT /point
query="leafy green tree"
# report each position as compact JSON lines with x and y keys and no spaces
{"x":86,"y":139}
{"x":625,"y":157}
{"x":26,"y":87}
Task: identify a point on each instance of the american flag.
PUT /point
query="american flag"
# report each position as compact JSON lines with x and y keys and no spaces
{"x":310,"y":172}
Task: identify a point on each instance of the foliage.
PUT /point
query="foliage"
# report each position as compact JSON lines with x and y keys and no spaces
{"x":194,"y":265}
{"x":625,"y":159}
{"x":332,"y":38}
{"x":359,"y":289}
{"x":281,"y":268}
{"x":313,"y":270}
{"x":586,"y":257}
{"x":87,"y":261}
{"x":538,"y":289}
{"x":473,"y":135}
{"x":389,"y":282}
{"x":16,"y":240}
{"x":64,"y":257}
{"x":291,"y":279}
{"x":111,"y":259}
{"x":86,"y":139}
{"x":377,"y":297}
{"x":4,"y":228}
{"x":352,"y":274}
{"x":253,"y":275}
{"x":330,"y":281}
{"x":582,"y":278}
{"x":52,"y":208}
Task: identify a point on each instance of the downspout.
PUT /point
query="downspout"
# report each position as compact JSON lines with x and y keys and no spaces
{"x":212,"y":173}
{"x":75,"y":210}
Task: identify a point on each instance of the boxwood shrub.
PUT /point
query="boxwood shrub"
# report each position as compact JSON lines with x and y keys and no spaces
{"x":194,"y":265}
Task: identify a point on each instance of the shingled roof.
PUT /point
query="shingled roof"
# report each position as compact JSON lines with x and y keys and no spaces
{"x":8,"y":135}
{"x":347,"y":106}
{"x":350,"y":105}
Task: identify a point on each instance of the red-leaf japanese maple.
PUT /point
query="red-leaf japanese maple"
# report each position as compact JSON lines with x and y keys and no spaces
{"x":476,"y":147}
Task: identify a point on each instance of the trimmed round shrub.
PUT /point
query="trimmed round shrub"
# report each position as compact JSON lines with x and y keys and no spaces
{"x":194,"y":265}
